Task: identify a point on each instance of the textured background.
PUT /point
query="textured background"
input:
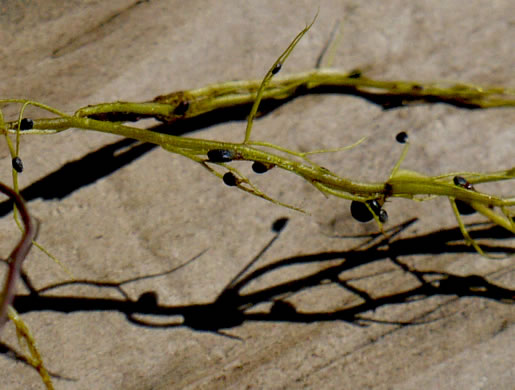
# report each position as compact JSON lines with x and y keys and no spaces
{"x":160,"y":210}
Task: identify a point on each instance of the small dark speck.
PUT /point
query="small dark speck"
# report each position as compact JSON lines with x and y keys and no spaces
{"x":383,"y":216}
{"x":17,"y":164}
{"x":279,"y":224}
{"x":229,"y":179}
{"x":220,"y":155}
{"x":181,"y":108}
{"x":259,"y":167}
{"x":26,"y":124}
{"x":148,"y":299}
{"x":282,"y":309}
{"x":355,"y":74}
{"x":402,"y":137}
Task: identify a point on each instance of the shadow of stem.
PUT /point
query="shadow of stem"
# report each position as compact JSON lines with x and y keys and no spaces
{"x":232,"y":307}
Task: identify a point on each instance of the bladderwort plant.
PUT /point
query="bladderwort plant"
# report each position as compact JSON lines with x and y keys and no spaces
{"x":367,"y":198}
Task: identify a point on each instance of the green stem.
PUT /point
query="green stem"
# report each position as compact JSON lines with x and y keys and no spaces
{"x":230,"y":94}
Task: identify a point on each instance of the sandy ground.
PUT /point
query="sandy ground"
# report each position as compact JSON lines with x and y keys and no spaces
{"x":322,"y":311}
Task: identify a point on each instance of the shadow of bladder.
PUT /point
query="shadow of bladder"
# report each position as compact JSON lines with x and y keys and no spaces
{"x":232,"y":307}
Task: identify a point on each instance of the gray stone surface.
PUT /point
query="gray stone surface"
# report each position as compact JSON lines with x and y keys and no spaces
{"x":161,"y":210}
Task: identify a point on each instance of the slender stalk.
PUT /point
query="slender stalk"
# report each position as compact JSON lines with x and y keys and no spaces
{"x":18,"y":254}
{"x":230,"y":94}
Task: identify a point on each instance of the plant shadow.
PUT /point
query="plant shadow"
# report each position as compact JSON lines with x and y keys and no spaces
{"x":232,"y":307}
{"x":272,"y":303}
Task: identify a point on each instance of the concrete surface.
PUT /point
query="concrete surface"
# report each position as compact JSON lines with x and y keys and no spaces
{"x":343,"y":318}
